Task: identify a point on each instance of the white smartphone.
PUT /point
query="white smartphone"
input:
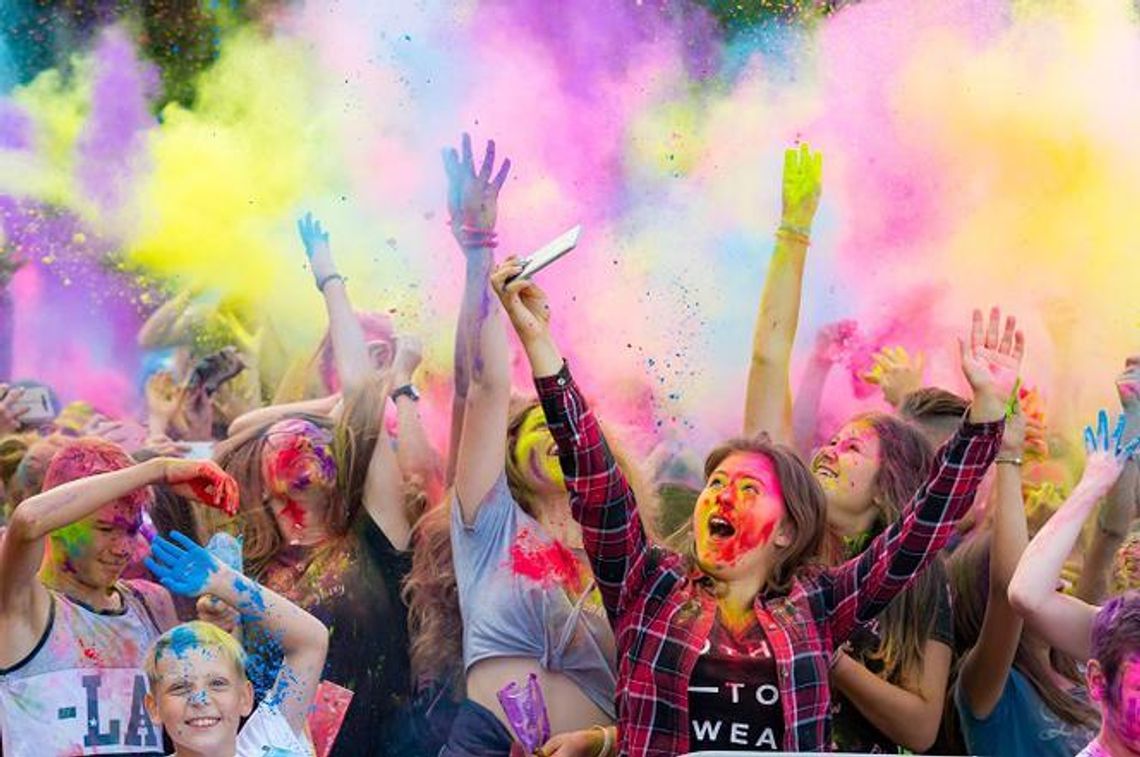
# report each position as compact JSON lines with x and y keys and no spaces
{"x":547,"y":254}
{"x":36,"y":404}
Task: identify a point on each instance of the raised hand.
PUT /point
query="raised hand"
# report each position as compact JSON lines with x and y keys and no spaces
{"x":409,"y":355}
{"x":803,"y":183}
{"x":1107,"y":454}
{"x":317,"y":250}
{"x":526,"y":304}
{"x":10,"y":412}
{"x":204,"y":481}
{"x":473,"y":198}
{"x":833,"y":342}
{"x":181,"y":565}
{"x":896,"y":373}
{"x":991,"y":363}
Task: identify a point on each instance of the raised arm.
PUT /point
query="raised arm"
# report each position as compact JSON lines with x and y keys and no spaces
{"x":1119,"y":509}
{"x":985,"y":668}
{"x":187,"y":569}
{"x":23,"y":599}
{"x":480,"y":454}
{"x":863,"y":586}
{"x":601,"y":499}
{"x":415,"y":455}
{"x":350,"y":348}
{"x":169,"y":325}
{"x":1063,"y":621}
{"x":829,"y":345}
{"x":273,"y":413}
{"x":768,"y":402}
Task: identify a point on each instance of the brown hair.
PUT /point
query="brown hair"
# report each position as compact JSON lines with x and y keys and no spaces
{"x":907,"y":623}
{"x":936,"y":412}
{"x":435,"y":625}
{"x":930,"y":403}
{"x":969,"y":571}
{"x":804,"y":502}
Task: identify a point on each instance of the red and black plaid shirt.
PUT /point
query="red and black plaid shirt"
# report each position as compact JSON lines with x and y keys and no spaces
{"x":662,"y":613}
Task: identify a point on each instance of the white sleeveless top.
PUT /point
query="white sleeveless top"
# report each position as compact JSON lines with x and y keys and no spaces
{"x":80,"y":691}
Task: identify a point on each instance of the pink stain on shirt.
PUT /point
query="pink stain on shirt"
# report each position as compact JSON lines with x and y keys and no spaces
{"x":548,"y":563}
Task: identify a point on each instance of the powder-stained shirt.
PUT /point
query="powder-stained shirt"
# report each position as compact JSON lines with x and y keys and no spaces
{"x":663,"y":611}
{"x":523,"y":594}
{"x":80,"y":691}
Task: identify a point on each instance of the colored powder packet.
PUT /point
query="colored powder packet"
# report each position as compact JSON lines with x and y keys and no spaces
{"x":327,"y":715}
{"x":525,"y":708}
{"x":227,"y":548}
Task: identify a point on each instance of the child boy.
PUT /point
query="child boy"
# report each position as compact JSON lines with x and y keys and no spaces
{"x":199,"y":691}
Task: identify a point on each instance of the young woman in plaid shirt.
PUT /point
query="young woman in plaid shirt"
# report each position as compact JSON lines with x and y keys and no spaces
{"x":746,"y":603}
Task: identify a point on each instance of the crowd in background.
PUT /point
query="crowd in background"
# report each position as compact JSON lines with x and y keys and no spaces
{"x":297,"y":567}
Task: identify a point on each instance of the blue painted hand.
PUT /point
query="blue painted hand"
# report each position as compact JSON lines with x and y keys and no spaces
{"x":181,"y":565}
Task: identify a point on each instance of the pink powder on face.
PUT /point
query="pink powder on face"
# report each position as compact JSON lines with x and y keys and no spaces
{"x":547,"y":563}
{"x":295,"y":513}
{"x":755,"y":518}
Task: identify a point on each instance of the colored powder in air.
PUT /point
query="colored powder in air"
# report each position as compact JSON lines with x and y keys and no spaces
{"x":975,"y":153}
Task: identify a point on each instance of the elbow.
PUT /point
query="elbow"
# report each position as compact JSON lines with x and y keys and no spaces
{"x":25,"y":524}
{"x":924,"y":737}
{"x":1023,"y":601}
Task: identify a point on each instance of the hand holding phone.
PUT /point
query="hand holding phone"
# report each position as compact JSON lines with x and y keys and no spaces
{"x":216,"y":369}
{"x":547,"y":254}
{"x":33,"y":405}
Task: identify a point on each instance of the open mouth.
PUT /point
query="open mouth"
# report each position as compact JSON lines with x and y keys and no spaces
{"x":203,"y":722}
{"x":720,"y":527}
{"x":824,"y":472}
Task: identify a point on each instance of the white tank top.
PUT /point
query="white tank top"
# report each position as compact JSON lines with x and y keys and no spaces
{"x":80,"y":691}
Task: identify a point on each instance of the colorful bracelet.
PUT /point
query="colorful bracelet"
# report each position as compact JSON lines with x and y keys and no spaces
{"x":794,"y":234}
{"x":470,"y":236}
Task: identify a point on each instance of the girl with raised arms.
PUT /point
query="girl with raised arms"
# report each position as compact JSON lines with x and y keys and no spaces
{"x":729,"y":646}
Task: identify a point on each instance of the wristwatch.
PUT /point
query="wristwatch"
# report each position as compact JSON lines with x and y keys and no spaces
{"x":407,"y":390}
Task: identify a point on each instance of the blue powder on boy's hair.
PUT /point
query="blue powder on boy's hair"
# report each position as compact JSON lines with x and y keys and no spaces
{"x":183,"y":640}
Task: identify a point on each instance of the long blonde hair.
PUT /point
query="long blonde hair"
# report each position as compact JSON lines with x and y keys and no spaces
{"x":435,"y":625}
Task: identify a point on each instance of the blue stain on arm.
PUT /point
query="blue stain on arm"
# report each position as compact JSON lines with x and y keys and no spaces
{"x":181,"y":565}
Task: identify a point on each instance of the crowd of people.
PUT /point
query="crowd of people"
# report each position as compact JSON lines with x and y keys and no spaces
{"x":295,"y":569}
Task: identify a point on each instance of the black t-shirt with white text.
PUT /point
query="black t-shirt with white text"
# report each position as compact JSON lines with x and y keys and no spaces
{"x":734,"y":696}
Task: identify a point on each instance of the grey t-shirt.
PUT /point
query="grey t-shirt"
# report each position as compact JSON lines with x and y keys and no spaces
{"x":523,"y":594}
